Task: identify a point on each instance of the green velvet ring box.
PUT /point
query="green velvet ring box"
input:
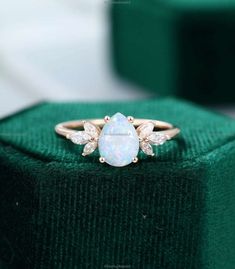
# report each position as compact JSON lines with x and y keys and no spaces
{"x":177,"y":47}
{"x":61,"y":210}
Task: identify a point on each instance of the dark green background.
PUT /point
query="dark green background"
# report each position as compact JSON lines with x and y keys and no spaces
{"x":61,"y":210}
{"x":182,"y":48}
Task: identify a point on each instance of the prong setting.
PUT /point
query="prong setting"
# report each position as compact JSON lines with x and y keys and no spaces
{"x":130,"y":119}
{"x":135,"y":160}
{"x":102,"y":159}
{"x":106,"y":118}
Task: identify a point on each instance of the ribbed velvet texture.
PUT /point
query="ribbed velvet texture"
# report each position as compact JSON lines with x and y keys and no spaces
{"x":61,"y":210}
{"x":177,"y":47}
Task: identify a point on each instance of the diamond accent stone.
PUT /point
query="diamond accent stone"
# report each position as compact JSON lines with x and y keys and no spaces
{"x":157,"y":138}
{"x":80,"y":138}
{"x":145,"y":129}
{"x":146,"y":148}
{"x":148,"y":137}
{"x":118,"y":141}
{"x":89,"y":148}
{"x":92,"y":129}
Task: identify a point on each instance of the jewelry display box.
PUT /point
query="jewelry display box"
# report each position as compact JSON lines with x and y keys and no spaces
{"x":177,"y":47}
{"x":59,"y":209}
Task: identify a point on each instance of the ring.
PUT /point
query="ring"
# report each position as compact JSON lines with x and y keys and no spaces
{"x":118,"y":138}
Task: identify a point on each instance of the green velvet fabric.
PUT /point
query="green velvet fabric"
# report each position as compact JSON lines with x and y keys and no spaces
{"x":177,"y":47}
{"x":61,"y":210}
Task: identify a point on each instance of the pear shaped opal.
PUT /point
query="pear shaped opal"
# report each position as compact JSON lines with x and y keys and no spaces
{"x":118,"y":141}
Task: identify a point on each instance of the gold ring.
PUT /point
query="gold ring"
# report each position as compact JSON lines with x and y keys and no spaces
{"x":118,"y":138}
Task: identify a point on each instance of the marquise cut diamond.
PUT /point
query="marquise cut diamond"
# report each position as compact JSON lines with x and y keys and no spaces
{"x":145,"y":129}
{"x":89,"y":148}
{"x":157,"y":138}
{"x":146,"y":148}
{"x":91,"y":129}
{"x":80,"y":137}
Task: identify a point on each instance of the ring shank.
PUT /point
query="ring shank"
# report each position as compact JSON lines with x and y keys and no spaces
{"x":67,"y":128}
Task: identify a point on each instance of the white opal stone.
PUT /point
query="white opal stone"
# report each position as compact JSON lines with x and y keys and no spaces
{"x":118,"y":141}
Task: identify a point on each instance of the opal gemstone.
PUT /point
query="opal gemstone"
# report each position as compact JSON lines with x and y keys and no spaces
{"x":118,"y":141}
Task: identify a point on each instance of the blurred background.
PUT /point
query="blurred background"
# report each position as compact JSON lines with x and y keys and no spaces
{"x":65,"y":51}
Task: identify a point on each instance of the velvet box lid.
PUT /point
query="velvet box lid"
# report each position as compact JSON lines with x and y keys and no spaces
{"x":177,"y":47}
{"x":61,"y":210}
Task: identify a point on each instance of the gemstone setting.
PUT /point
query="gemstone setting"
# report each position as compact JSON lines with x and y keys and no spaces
{"x":148,"y":137}
{"x":118,"y":141}
{"x":80,"y":137}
